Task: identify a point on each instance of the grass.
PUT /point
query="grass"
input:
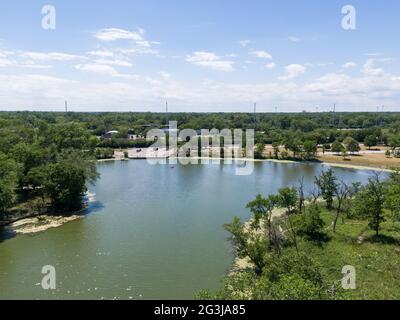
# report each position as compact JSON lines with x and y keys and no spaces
{"x":376,"y":259}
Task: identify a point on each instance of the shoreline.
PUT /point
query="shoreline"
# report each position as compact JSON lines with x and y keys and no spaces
{"x":325,"y":163}
{"x":36,"y":223}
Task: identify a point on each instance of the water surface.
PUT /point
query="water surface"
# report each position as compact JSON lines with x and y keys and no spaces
{"x":154,"y":232}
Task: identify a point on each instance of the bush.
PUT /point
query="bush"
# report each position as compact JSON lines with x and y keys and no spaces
{"x":311,"y":224}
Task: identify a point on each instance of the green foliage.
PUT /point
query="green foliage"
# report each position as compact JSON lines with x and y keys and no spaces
{"x":327,"y":183}
{"x":288,"y":198}
{"x":370,"y":141}
{"x":248,"y":244}
{"x":259,"y":152}
{"x":337,"y":147}
{"x":392,"y":196}
{"x":369,"y":203}
{"x":311,"y":224}
{"x":286,"y":277}
{"x":66,"y":180}
{"x":104,"y":153}
{"x":310,"y":149}
{"x":352,"y":145}
{"x":8,"y":182}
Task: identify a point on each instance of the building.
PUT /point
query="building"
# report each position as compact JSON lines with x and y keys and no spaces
{"x":132,"y":136}
{"x":110,"y":134}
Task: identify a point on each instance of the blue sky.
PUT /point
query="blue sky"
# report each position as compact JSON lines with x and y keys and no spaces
{"x":199,"y":55}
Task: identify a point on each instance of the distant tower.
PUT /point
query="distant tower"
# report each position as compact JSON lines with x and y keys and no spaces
{"x":66,"y":106}
{"x":166,"y":112}
{"x":255,"y":114}
{"x":334,"y":114}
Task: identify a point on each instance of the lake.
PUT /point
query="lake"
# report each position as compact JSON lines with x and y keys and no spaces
{"x":153,"y":232}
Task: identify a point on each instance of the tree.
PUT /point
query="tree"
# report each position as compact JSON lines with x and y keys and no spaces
{"x":8,"y":182}
{"x":352,"y":145}
{"x":276,"y":146}
{"x":67,"y":178}
{"x":343,"y":193}
{"x":325,"y":147}
{"x":248,"y":244}
{"x":259,"y":152}
{"x":392,"y":196}
{"x":310,"y":149}
{"x":288,"y":198}
{"x":337,"y":147}
{"x":293,"y":144}
{"x":71,"y":135}
{"x":327,"y":183}
{"x":370,"y":141}
{"x":28,"y":156}
{"x":262,"y":210}
{"x":311,"y":223}
{"x":369,"y":203}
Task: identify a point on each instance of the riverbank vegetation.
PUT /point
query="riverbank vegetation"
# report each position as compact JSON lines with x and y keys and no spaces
{"x":44,"y":166}
{"x":296,"y":247}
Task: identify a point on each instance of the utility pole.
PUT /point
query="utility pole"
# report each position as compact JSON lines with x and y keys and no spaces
{"x":255,"y":115}
{"x":334,"y":114}
{"x":166,"y":113}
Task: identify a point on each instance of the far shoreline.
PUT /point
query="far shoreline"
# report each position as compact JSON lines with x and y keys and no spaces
{"x":330,"y":164}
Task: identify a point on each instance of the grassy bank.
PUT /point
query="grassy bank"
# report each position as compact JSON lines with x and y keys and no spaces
{"x":375,"y":259}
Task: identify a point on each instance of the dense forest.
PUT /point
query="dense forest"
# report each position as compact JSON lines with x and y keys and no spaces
{"x":48,"y":157}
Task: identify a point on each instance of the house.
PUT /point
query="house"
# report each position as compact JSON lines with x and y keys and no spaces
{"x":132,"y":136}
{"x":110,"y":134}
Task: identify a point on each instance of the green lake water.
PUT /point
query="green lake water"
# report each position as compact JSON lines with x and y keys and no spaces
{"x":153,"y":232}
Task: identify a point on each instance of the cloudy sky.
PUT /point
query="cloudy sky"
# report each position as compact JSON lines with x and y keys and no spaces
{"x":207,"y":55}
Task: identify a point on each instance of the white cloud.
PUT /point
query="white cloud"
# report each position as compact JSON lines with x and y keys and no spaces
{"x":102,"y":53}
{"x":6,"y":62}
{"x":147,"y":93}
{"x":261,"y":54}
{"x":271,"y":65}
{"x":103,"y":69}
{"x":51,"y":56}
{"x":34,"y":65}
{"x":294,"y":39}
{"x":137,"y":43}
{"x":349,"y":64}
{"x":113,"y":34}
{"x":165,"y":75}
{"x":114,"y":62}
{"x":293,"y":71}
{"x":244,"y":43}
{"x":370,"y":70}
{"x":210,"y":60}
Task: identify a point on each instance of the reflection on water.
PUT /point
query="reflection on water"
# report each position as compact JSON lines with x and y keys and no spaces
{"x":154,"y":232}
